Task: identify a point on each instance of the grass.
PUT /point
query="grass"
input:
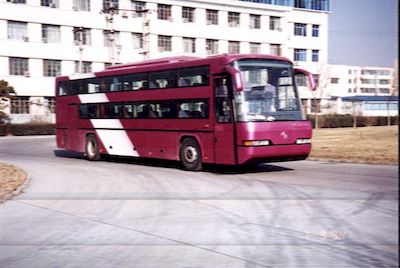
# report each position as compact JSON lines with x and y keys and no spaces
{"x":375,"y":145}
{"x":11,"y":178}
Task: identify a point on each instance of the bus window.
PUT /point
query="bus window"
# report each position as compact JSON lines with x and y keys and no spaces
{"x":83,"y":111}
{"x":162,"y":79}
{"x":196,"y":76}
{"x":135,"y":81}
{"x":222,"y":100}
{"x":78,"y":87}
{"x":93,"y":85}
{"x":192,"y":109}
{"x":63,"y":88}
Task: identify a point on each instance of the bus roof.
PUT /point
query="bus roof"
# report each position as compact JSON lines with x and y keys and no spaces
{"x":223,"y":58}
{"x":173,"y":62}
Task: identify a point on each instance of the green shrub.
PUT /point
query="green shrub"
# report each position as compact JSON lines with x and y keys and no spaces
{"x":347,"y":120}
{"x":32,"y":129}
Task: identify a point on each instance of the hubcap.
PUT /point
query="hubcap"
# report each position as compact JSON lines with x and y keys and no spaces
{"x":91,"y":148}
{"x":190,"y":154}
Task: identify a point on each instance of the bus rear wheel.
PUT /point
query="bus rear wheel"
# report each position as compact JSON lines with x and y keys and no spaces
{"x":92,"y":148}
{"x":190,"y":155}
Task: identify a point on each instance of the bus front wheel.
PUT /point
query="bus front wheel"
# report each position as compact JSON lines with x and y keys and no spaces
{"x":190,"y":155}
{"x":92,"y":148}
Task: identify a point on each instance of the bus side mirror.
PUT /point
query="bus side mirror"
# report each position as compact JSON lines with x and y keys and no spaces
{"x":236,"y":78}
{"x":310,"y":77}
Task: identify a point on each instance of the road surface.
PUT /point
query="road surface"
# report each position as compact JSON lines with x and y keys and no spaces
{"x":127,"y":213}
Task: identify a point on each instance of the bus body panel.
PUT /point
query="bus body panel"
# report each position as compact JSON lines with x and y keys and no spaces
{"x":282,"y":137}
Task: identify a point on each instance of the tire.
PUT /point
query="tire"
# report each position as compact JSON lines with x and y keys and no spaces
{"x":92,"y":148}
{"x":190,"y":155}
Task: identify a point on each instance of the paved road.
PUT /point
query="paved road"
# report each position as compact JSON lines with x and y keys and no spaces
{"x":77,"y":213}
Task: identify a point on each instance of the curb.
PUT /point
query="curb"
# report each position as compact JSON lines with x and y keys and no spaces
{"x":345,"y":161}
{"x":19,"y":190}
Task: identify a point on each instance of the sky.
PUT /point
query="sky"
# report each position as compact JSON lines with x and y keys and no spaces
{"x":363,"y":32}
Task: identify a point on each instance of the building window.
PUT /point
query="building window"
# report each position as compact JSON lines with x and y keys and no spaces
{"x":234,"y":47}
{"x":212,"y":17}
{"x":51,"y":68}
{"x":255,"y":21}
{"x":86,"y":67}
{"x":50,"y":33}
{"x":300,"y":54}
{"x":211,"y":46}
{"x":189,"y":45}
{"x":164,"y":43}
{"x":49,"y":3}
{"x":301,"y":80}
{"x":233,"y":19}
{"x":334,"y":80}
{"x":17,"y":30}
{"x":163,"y":12}
{"x":50,"y":104}
{"x":300,"y":29}
{"x":81,"y":5}
{"x":315,"y":55}
{"x":137,"y":39}
{"x":19,"y":66}
{"x":82,"y":36}
{"x":20,"y":105}
{"x":315,"y":30}
{"x":110,"y":6}
{"x":255,"y":48}
{"x":138,"y":8}
{"x":275,"y":49}
{"x":110,"y":38}
{"x":187,"y":14}
{"x":275,"y":23}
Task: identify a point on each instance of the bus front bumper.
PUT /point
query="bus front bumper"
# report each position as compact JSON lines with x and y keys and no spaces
{"x":274,"y":153}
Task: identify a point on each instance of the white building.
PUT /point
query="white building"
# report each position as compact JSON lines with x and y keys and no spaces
{"x":42,"y":39}
{"x":358,"y":89}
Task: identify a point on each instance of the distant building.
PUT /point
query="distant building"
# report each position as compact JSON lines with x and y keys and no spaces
{"x":369,"y":91}
{"x":40,"y":40}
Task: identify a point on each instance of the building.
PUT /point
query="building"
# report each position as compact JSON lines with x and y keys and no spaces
{"x":362,"y":90}
{"x":42,"y":39}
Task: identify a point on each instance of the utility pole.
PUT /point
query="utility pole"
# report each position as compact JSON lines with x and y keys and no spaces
{"x":79,"y":33}
{"x":110,"y":33}
{"x":145,"y":33}
{"x":110,"y":12}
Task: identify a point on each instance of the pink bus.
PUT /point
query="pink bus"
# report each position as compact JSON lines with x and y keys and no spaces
{"x":224,"y":109}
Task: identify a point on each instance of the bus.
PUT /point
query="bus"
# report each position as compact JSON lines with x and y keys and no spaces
{"x":230,"y":109}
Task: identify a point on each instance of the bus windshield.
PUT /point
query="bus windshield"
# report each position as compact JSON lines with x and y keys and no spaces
{"x":269,"y":92}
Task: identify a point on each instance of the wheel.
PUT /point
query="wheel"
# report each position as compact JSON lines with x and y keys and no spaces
{"x":190,"y":155}
{"x":92,"y":148}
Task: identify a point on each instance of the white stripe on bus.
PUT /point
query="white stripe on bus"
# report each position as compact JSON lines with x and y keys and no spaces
{"x":93,"y":98}
{"x":81,"y":76}
{"x":110,"y":131}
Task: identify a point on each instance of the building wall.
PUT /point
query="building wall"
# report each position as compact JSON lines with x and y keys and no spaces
{"x":344,"y":80}
{"x":67,"y":50}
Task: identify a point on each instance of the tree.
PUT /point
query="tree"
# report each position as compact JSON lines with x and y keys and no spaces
{"x":5,"y":89}
{"x":6,"y":92}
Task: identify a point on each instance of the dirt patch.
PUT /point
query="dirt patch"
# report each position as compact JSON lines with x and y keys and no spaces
{"x":375,"y":145}
{"x":12,"y":181}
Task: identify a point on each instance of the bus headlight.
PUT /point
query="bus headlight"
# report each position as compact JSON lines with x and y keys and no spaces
{"x":256,"y":143}
{"x":303,"y":141}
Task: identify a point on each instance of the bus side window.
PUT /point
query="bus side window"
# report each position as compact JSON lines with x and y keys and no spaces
{"x":63,"y":88}
{"x":193,"y":76}
{"x":162,"y":79}
{"x":135,"y":81}
{"x":222,"y":100}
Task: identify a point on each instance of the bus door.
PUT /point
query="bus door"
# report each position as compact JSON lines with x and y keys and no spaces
{"x":73,"y":118}
{"x":224,"y":145}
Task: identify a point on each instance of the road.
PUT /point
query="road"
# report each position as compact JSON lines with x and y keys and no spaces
{"x":127,"y":213}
